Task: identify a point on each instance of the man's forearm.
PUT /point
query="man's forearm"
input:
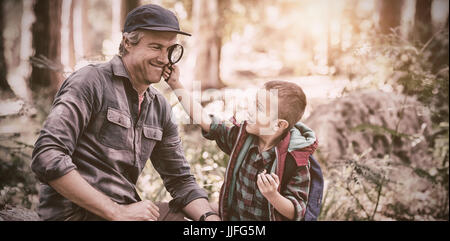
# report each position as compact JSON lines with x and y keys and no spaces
{"x":73,"y":187}
{"x":192,"y":107}
{"x":198,"y":207}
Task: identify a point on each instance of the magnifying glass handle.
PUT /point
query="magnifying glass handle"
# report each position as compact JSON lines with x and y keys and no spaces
{"x":168,"y":77}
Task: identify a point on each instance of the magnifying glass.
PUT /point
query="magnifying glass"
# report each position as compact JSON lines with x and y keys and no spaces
{"x":175,"y":52}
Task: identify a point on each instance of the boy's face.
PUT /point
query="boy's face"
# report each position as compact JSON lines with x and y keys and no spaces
{"x":263,"y":114}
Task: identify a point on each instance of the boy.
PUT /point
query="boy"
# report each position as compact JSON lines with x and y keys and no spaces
{"x":262,"y":152}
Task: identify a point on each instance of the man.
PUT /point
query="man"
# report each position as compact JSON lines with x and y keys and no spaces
{"x":106,"y":122}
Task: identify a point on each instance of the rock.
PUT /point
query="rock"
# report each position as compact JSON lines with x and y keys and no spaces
{"x":367,"y":120}
{"x":9,"y":213}
{"x":10,"y":107}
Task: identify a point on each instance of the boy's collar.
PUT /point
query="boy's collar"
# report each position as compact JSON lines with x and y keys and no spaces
{"x":284,"y":143}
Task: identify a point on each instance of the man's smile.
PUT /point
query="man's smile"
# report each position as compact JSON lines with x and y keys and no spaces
{"x":160,"y":67}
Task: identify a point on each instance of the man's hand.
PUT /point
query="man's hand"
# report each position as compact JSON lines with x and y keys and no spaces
{"x":140,"y":211}
{"x":213,"y":218}
{"x":171,"y":75}
{"x":268,"y":185}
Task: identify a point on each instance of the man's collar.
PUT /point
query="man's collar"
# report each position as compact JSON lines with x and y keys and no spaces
{"x":118,"y":69}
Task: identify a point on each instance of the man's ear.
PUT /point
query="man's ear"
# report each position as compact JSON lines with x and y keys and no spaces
{"x":126,"y":43}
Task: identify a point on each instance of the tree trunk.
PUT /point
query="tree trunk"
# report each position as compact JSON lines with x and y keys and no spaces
{"x":17,"y":17}
{"x":4,"y":86}
{"x":446,"y":25}
{"x":390,"y":15}
{"x":207,"y":43}
{"x":127,"y":6}
{"x":81,"y":30}
{"x":67,"y":40}
{"x":47,"y":69}
{"x":47,"y":45}
{"x":330,"y":48}
{"x":423,"y":27}
{"x":116,"y":23}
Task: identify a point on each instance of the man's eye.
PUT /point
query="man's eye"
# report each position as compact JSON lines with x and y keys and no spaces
{"x":155,"y":47}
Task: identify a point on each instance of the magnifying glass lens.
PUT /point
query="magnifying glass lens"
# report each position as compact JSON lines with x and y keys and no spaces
{"x":176,"y":53}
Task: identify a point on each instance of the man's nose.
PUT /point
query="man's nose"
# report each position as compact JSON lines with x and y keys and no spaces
{"x":163,"y":58}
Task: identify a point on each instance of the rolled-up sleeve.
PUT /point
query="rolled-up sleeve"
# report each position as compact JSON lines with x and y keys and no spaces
{"x":224,"y":136}
{"x":297,"y":191}
{"x":169,"y":161}
{"x":69,"y":115}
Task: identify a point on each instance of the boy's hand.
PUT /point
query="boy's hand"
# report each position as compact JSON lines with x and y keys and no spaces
{"x":171,"y":75}
{"x":268,"y":185}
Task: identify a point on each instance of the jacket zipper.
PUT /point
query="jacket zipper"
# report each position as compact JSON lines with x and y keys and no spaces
{"x":228,"y":167}
{"x":272,"y":215}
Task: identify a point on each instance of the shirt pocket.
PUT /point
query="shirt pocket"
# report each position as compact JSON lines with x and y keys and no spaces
{"x":151,"y":136}
{"x":115,"y":131}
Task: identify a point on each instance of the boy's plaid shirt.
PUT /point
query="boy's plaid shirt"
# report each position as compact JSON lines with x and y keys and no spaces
{"x":249,"y":204}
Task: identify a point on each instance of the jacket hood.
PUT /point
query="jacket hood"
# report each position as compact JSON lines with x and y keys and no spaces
{"x":301,"y":136}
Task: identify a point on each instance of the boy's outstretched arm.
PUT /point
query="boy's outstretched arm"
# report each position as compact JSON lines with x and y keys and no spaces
{"x":192,"y":107}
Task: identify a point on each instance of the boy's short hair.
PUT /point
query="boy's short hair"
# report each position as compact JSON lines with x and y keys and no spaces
{"x":291,"y":100}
